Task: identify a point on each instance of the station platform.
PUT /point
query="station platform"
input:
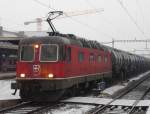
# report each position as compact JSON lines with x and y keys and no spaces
{"x":7,"y":75}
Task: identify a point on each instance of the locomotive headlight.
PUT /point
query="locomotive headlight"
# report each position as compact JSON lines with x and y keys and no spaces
{"x":36,"y":46}
{"x":22,"y":75}
{"x":50,"y":75}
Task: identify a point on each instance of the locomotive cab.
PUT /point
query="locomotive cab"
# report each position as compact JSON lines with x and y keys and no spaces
{"x":40,"y":60}
{"x":40,"y":66}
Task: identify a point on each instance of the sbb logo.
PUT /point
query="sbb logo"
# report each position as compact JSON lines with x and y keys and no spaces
{"x":36,"y":68}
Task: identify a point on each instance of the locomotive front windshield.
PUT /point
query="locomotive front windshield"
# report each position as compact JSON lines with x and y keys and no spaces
{"x":49,"y":52}
{"x":27,"y":53}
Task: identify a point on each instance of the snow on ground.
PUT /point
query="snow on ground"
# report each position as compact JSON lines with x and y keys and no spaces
{"x":138,"y":77}
{"x":72,"y":109}
{"x":111,"y":90}
{"x":5,"y":90}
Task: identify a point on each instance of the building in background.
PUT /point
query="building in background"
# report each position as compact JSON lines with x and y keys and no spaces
{"x":8,"y":49}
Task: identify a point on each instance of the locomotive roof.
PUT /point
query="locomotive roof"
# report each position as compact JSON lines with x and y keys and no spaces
{"x":50,"y":40}
{"x":63,"y":39}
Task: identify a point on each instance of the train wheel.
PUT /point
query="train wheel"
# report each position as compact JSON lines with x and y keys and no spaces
{"x":4,"y":69}
{"x":23,"y":94}
{"x":49,"y":96}
{"x":70,"y":92}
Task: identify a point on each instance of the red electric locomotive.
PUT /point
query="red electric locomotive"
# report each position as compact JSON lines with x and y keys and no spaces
{"x":54,"y":63}
{"x":49,"y":67}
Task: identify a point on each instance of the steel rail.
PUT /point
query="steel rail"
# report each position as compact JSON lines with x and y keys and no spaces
{"x":45,"y":108}
{"x":30,"y":107}
{"x":14,"y":107}
{"x":99,"y":109}
{"x":137,"y":101}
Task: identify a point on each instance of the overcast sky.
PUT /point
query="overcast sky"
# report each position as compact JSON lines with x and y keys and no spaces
{"x":114,"y":22}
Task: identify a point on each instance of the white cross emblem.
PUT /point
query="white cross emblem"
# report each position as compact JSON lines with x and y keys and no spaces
{"x":36,"y":68}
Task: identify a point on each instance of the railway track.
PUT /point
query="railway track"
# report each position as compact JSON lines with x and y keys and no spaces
{"x":29,"y":108}
{"x":130,"y":110}
{"x":34,"y":107}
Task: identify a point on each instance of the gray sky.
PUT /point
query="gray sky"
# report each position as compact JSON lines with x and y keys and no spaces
{"x":114,"y":22}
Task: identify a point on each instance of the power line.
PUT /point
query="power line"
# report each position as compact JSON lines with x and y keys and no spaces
{"x":77,"y":21}
{"x":90,"y":27}
{"x":41,"y":3}
{"x":89,"y":3}
{"x":140,"y":9}
{"x":44,"y":5}
{"x":105,"y":19}
{"x":132,"y":19}
{"x":50,"y":3}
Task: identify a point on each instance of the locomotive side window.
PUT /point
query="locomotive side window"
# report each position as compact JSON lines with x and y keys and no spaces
{"x":80,"y":56}
{"x":91,"y":59}
{"x":69,"y":55}
{"x":49,"y":52}
{"x":105,"y":58}
{"x":27,"y":53}
{"x":99,"y":58}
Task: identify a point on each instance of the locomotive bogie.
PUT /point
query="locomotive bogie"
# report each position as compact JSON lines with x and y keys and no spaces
{"x":59,"y":83}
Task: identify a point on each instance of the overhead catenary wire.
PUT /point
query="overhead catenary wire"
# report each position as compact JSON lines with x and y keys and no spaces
{"x":141,"y":11}
{"x":90,"y":27}
{"x":137,"y":1}
{"x":105,"y":19}
{"x":89,"y":3}
{"x":50,"y":4}
{"x":44,"y":5}
{"x":77,"y":21}
{"x":131,"y":18}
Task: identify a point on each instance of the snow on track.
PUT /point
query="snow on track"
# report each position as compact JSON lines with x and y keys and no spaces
{"x":111,"y":90}
{"x":5,"y":90}
{"x":72,"y":109}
